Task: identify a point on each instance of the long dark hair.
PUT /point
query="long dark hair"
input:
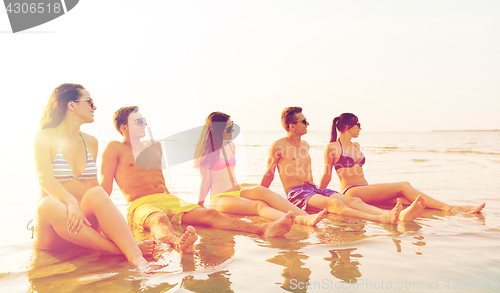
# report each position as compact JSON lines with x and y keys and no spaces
{"x":342,"y":123}
{"x":56,"y":107}
{"x":210,"y":141}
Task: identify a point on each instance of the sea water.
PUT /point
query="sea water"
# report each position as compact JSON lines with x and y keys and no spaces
{"x":438,"y":252}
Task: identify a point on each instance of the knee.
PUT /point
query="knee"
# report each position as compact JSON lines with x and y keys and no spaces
{"x":259,"y":192}
{"x":335,"y":206}
{"x":48,"y":204}
{"x":356,"y":201}
{"x":96,"y":195}
{"x":261,"y":205}
{"x":211,"y":214}
{"x":155,"y":219}
{"x":405,"y":186}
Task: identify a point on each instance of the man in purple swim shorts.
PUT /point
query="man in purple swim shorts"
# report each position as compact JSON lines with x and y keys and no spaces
{"x":290,"y":155}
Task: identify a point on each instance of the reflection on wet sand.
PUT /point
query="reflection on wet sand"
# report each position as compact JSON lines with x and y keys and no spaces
{"x":76,"y":269}
{"x":293,"y":260}
{"x":209,"y":268}
{"x":343,"y":268}
{"x":216,"y":282}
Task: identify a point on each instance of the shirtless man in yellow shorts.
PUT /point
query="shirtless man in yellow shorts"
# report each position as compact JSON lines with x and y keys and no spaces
{"x":135,"y":165}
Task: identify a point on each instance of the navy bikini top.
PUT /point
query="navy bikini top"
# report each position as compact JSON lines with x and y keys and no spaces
{"x":347,"y":160}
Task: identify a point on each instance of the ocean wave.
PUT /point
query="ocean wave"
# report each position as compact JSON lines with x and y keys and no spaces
{"x":420,"y":160}
{"x":472,"y":152}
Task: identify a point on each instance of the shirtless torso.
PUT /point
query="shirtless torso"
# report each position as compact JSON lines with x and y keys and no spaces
{"x":293,"y":162}
{"x":134,"y":181}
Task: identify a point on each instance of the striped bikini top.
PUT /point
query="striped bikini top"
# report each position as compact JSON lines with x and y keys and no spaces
{"x":62,"y":171}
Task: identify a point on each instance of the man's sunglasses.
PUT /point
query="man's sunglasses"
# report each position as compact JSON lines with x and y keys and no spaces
{"x":303,"y":121}
{"x":139,"y":121}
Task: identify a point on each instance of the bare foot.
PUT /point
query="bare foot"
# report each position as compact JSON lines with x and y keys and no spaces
{"x":311,"y":220}
{"x":279,"y":227}
{"x":149,"y":268}
{"x":468,"y":209}
{"x":147,"y":247}
{"x":187,"y":240}
{"x":475,"y":210}
{"x":413,"y":211}
{"x":141,"y":264}
{"x":393,"y":215}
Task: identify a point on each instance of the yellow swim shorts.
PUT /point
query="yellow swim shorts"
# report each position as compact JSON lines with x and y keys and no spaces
{"x":228,"y":193}
{"x":172,"y":206}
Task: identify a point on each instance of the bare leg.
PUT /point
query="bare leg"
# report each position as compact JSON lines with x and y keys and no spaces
{"x":378,"y":193}
{"x":159,"y":224}
{"x":280,"y":203}
{"x":407,"y":215}
{"x":272,"y":199}
{"x":51,"y":231}
{"x":358,"y":204}
{"x":245,"y":206}
{"x":98,"y":203}
{"x":212,"y":218}
{"x":472,"y":209}
{"x":336,"y":206}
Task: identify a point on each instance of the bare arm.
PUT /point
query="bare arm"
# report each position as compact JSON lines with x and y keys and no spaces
{"x":52,"y":187}
{"x":272,"y":163}
{"x":205,"y":185}
{"x":327,"y":175}
{"x":110,"y":158}
{"x":93,"y":145}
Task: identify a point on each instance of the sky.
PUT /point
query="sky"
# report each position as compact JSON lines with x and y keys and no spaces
{"x":397,"y":65}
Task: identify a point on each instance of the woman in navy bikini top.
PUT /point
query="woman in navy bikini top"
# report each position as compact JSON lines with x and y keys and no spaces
{"x":215,"y":159}
{"x":70,"y":192}
{"x":348,"y":160}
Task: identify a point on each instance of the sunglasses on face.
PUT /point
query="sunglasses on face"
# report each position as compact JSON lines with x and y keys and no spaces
{"x":230,"y":128}
{"x":89,"y":100}
{"x":357,"y":124}
{"x":303,"y":122}
{"x":139,"y":121}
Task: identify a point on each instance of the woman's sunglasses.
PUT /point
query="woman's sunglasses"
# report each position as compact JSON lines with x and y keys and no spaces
{"x":230,"y":128}
{"x":90,"y":101}
{"x":357,"y":124}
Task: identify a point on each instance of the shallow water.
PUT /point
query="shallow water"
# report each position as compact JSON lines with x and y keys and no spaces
{"x":439,"y":252}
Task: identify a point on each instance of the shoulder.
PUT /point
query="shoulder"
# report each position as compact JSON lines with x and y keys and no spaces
{"x":332,"y":145}
{"x":157,"y":145}
{"x":114,"y":146}
{"x":89,"y":139}
{"x":44,"y":136}
{"x":113,"y":150}
{"x":305,"y":143}
{"x":332,"y":148}
{"x":279,"y":142}
{"x":154,"y":143}
{"x":357,"y":144}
